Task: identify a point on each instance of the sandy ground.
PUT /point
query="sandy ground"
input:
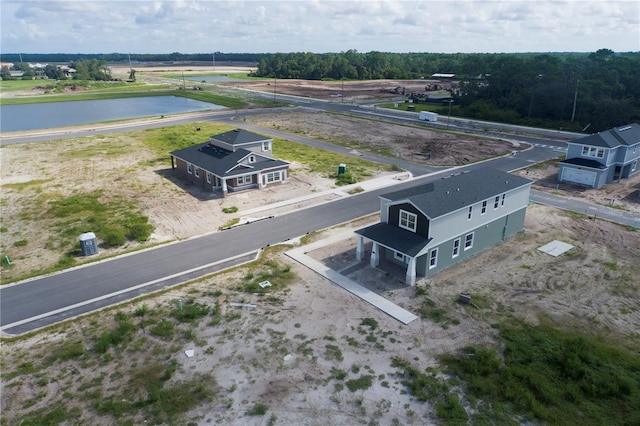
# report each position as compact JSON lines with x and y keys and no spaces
{"x":277,"y":352}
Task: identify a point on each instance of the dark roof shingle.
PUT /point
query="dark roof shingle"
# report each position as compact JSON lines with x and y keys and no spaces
{"x":612,"y":138}
{"x":449,"y":194}
{"x":239,"y":137}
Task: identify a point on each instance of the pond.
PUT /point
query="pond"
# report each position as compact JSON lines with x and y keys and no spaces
{"x":15,"y":118}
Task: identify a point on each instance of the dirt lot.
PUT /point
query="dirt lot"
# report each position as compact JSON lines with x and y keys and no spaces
{"x":281,"y":353}
{"x":348,"y":91}
{"x":286,"y":352}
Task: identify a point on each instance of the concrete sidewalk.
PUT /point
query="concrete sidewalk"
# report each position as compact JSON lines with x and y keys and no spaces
{"x":340,"y":280}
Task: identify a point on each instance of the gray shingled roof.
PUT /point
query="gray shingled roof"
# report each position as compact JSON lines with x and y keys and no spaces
{"x":240,"y":137}
{"x":612,"y":138}
{"x":398,"y":239}
{"x":458,"y":191}
{"x":585,"y":162}
{"x":218,"y":160}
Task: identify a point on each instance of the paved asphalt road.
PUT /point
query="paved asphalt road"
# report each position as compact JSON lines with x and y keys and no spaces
{"x":46,"y":300}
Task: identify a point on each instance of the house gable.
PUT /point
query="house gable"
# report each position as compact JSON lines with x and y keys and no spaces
{"x":598,"y":159}
{"x":394,"y":217}
{"x":242,"y":139}
{"x":455,"y":218}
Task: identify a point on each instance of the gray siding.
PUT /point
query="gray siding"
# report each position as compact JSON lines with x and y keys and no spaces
{"x":484,"y":237}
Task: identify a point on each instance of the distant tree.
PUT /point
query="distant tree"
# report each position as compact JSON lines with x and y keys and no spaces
{"x":132,"y":75}
{"x":92,"y":69}
{"x":54,"y":73}
{"x":5,"y":74}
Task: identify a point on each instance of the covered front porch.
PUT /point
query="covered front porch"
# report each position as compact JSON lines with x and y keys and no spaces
{"x":393,"y":245}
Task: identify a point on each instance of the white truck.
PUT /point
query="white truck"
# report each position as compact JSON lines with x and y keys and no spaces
{"x":428,"y":116}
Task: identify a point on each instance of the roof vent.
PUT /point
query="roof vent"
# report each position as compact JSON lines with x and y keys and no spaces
{"x":458,"y":189}
{"x":448,"y":191}
{"x":236,"y":130}
{"x":622,"y":129}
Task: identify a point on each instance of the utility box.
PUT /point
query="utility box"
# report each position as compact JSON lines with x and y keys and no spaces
{"x":428,"y":116}
{"x":342,"y":169}
{"x":88,"y":244}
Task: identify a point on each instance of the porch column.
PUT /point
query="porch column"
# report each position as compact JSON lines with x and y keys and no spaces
{"x":224,"y":186}
{"x":375,"y":255}
{"x":260,"y":178}
{"x":410,"y":278}
{"x":360,"y":248}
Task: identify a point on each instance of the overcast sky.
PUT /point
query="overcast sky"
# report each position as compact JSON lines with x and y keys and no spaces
{"x":143,"y":26}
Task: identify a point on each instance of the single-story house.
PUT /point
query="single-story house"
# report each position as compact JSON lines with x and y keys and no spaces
{"x":602,"y":158}
{"x":432,"y":226}
{"x":233,"y":161}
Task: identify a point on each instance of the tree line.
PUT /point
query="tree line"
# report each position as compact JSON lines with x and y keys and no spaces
{"x":596,"y":90}
{"x":135,"y":57}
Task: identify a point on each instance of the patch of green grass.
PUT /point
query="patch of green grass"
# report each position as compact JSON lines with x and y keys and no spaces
{"x":277,"y":274}
{"x":19,"y":186}
{"x":332,"y":352}
{"x":554,"y":376}
{"x":361,"y":383}
{"x":326,"y":163}
{"x":121,"y":333}
{"x":370,"y":322}
{"x":258,"y":410}
{"x":228,"y":210}
{"x":190,"y":312}
{"x":229,"y":224}
{"x":164,"y":329}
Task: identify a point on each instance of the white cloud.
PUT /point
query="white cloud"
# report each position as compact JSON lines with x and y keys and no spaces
{"x":318,"y":26}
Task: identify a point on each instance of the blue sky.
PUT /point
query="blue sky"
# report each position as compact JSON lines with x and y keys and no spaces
{"x":467,"y":26}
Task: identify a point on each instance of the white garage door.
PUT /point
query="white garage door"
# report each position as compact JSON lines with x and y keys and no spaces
{"x":583,"y":177}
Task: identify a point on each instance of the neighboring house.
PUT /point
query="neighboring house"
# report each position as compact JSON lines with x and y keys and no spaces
{"x":430,"y":227}
{"x":602,"y":158}
{"x":233,"y":161}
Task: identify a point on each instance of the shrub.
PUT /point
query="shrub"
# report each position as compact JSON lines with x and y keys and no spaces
{"x":114,"y":236}
{"x":139,"y":229}
{"x":361,"y":383}
{"x":258,"y":410}
{"x":164,"y":329}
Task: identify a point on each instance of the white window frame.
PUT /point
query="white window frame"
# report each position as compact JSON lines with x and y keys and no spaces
{"x":470,"y":213}
{"x":266,"y":146}
{"x":634,"y":165}
{"x":502,"y":202}
{"x":496,"y":202}
{"x":196,"y":172}
{"x":456,"y":248}
{"x":208,"y":177}
{"x":273,"y":177}
{"x":468,"y":242}
{"x":592,"y":151}
{"x":189,"y":169}
{"x":405,"y":218}
{"x":244,"y":180}
{"x":484,"y":207}
{"x":399,"y":256}
{"x":252,"y":159}
{"x":433,"y":258}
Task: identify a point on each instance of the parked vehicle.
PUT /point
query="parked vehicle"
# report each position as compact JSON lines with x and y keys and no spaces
{"x":428,"y":116}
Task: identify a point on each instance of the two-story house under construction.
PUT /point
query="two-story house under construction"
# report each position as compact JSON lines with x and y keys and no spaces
{"x":602,"y":158}
{"x":430,"y":227}
{"x":232,"y":161}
